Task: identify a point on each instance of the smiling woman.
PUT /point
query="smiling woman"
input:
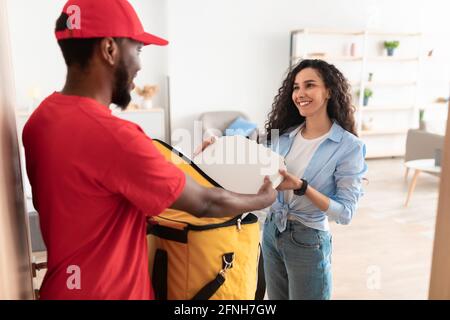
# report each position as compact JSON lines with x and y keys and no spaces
{"x":326,"y":165}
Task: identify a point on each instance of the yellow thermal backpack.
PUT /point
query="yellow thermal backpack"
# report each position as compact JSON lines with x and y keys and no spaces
{"x":203,"y":258}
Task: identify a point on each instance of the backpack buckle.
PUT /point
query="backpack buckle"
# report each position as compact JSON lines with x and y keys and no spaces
{"x":228,"y":260}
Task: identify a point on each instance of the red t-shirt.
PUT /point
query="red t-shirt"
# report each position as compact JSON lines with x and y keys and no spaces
{"x":95,"y":178}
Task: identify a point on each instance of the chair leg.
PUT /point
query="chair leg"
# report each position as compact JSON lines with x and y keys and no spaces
{"x":406,"y":174}
{"x":412,"y":186}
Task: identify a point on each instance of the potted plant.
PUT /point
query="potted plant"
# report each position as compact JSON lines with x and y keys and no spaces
{"x":367,"y":94}
{"x":391,"y":46}
{"x":422,"y":125}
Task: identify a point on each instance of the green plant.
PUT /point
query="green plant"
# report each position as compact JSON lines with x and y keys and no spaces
{"x":391,"y":44}
{"x":421,"y":114}
{"x":367,"y":93}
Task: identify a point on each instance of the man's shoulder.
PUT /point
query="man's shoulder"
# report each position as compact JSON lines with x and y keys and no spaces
{"x":81,"y":115}
{"x":124,"y":134}
{"x":121,"y":127}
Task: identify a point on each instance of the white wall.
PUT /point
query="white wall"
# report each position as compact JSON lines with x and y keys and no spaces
{"x":234,"y":54}
{"x":223,"y":54}
{"x":39,"y":65}
{"x":38,"y":62}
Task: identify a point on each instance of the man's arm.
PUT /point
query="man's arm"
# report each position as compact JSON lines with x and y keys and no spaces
{"x":216,"y":203}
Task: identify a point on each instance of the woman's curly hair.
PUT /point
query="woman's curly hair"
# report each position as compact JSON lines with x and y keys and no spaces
{"x":285,"y":114}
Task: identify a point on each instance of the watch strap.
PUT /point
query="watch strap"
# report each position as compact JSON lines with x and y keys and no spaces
{"x":301,"y":192}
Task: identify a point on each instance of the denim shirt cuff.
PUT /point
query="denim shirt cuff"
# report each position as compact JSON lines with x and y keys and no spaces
{"x":335,"y":210}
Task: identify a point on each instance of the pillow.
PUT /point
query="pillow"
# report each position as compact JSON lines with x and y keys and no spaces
{"x":240,"y":127}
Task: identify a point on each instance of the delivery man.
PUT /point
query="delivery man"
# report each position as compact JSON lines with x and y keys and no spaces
{"x":96,"y":178}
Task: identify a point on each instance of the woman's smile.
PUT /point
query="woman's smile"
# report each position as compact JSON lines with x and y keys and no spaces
{"x":303,"y":103}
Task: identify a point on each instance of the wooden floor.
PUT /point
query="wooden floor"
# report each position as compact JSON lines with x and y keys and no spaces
{"x":385,"y":253}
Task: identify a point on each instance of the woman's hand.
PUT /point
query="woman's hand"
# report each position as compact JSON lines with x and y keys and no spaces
{"x":268,"y":192}
{"x":205,"y":144}
{"x":290,"y":182}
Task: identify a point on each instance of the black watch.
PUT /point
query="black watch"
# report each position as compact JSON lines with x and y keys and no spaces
{"x":301,"y":192}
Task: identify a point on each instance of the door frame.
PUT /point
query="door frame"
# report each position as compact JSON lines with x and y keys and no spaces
{"x":440,"y":268}
{"x":16,"y":281}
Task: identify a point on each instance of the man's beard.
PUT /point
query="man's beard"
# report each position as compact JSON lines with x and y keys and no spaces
{"x":121,"y":95}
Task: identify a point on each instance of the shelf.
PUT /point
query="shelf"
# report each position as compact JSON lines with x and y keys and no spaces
{"x":357,"y":32}
{"x":394,"y":34}
{"x":153,"y":110}
{"x":385,"y":154}
{"x":330,"y":32}
{"x":21,"y":113}
{"x":393,"y":59}
{"x":382,"y":132}
{"x":385,"y":108}
{"x":359,"y":58}
{"x":436,"y":106}
{"x":329,"y":57}
{"x":384,"y":84}
{"x":391,"y":84}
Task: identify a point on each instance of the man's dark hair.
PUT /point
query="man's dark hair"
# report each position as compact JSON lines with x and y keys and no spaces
{"x":75,"y":51}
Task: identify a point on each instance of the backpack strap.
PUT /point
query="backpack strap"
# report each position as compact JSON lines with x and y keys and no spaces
{"x":211,"y":288}
{"x":159,"y":276}
{"x":261,"y":286}
{"x":208,"y":291}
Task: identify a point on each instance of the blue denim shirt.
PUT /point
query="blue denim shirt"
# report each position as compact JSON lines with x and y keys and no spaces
{"x":336,"y":170}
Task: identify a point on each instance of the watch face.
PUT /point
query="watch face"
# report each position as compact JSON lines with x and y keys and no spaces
{"x":302,"y":190}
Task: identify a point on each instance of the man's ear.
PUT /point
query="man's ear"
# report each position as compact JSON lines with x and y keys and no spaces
{"x":109,"y":50}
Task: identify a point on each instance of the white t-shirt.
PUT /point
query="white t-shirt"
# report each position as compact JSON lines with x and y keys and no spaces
{"x":299,"y":156}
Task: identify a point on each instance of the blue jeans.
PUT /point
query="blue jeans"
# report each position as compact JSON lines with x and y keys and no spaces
{"x":297,"y":262}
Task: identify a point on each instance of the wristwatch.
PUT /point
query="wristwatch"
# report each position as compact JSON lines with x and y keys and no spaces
{"x":301,"y":192}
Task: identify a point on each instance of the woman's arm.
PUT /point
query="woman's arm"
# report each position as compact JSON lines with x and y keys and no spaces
{"x":292,"y":182}
{"x":348,"y":177}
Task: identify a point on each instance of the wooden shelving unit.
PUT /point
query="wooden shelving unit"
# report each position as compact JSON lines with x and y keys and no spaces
{"x":381,"y":132}
{"x":385,"y":108}
{"x":397,"y":76}
{"x":394,"y":59}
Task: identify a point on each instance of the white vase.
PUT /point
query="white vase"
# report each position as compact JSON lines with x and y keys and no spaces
{"x":147,"y":104}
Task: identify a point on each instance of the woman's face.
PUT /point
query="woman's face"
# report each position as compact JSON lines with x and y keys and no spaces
{"x":310,"y":95}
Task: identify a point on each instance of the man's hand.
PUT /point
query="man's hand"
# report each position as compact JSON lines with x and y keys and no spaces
{"x":290,"y":182}
{"x":205,"y":144}
{"x":268,"y":192}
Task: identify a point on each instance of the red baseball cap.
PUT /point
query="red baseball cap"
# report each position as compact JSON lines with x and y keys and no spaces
{"x":105,"y":18}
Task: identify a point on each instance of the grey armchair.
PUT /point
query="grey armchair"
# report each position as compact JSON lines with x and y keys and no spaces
{"x":37,"y":243}
{"x":421,"y":144}
{"x":215,"y":123}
